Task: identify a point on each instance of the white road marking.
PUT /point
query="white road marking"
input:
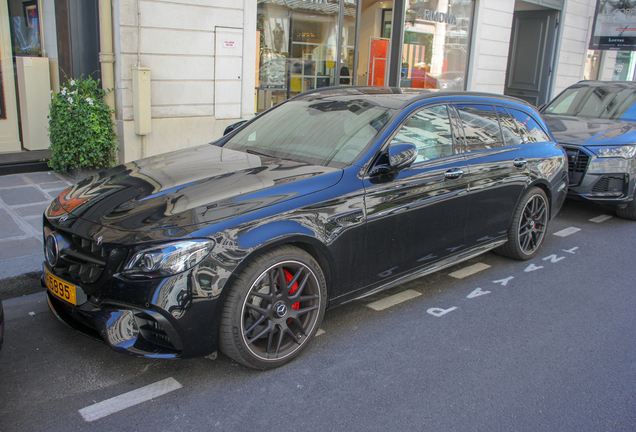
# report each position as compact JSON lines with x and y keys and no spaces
{"x":127,"y":400}
{"x":320,"y":332}
{"x":505,"y":281}
{"x":571,"y":250}
{"x":470,"y":270}
{"x":532,"y":267}
{"x":553,"y":258}
{"x":566,"y":232}
{"x":476,"y":293}
{"x":438,"y":312}
{"x":394,"y":300}
{"x":601,"y":218}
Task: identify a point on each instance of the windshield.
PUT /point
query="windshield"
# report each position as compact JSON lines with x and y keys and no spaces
{"x":605,"y":102}
{"x":319,"y":132}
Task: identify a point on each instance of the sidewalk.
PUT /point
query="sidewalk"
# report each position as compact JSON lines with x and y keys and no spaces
{"x":23,"y":198}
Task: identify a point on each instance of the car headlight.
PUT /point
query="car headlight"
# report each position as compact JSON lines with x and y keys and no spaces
{"x":626,"y":152}
{"x":168,"y":259}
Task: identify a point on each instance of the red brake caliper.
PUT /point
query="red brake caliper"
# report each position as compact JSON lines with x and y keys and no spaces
{"x":292,"y":290}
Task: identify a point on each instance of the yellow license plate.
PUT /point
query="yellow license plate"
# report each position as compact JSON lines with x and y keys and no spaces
{"x":59,"y":288}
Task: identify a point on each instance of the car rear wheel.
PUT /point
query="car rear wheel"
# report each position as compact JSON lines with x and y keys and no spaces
{"x":273,"y":309}
{"x":628,"y":212}
{"x":528,"y":227}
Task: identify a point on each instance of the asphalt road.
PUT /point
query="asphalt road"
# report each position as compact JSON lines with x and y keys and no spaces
{"x":543,"y":345}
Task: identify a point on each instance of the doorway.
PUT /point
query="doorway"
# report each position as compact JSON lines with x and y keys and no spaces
{"x":531,"y":55}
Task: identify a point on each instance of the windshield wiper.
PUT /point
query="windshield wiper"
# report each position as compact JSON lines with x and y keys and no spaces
{"x":254,"y":152}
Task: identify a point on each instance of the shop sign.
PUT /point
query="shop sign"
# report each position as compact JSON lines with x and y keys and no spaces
{"x":440,"y":17}
{"x":614,"y":27}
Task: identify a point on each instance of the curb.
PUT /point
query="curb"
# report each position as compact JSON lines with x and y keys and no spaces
{"x":18,"y":286}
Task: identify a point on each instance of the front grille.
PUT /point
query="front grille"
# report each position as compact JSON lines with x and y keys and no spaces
{"x":610,"y":185}
{"x":577,"y":165}
{"x":80,"y":260}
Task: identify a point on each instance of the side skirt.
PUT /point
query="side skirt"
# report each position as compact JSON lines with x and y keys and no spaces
{"x":417,"y":273}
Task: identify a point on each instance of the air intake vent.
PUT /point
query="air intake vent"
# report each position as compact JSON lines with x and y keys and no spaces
{"x":577,"y":165}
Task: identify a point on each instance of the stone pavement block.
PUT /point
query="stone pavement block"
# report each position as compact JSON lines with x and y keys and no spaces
{"x":55,"y":185}
{"x":22,"y":195}
{"x":11,"y":249}
{"x":30,"y":210}
{"x":35,"y":222}
{"x":54,"y":192}
{"x":12,"y":180}
{"x":8,"y":227}
{"x":42,"y":177}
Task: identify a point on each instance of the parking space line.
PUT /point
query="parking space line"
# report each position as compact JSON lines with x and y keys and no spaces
{"x":127,"y":400}
{"x":601,"y":218}
{"x":320,"y":332}
{"x":394,"y":300}
{"x":567,"y":231}
{"x":470,"y":270}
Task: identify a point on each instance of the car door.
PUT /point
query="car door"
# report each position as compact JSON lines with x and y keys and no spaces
{"x":417,"y":217}
{"x":497,"y":160}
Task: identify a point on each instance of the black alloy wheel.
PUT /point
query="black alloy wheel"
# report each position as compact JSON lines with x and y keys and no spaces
{"x":528,"y":227}
{"x":273,"y":309}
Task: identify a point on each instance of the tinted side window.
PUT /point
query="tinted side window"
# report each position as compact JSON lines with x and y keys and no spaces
{"x":430,"y":131}
{"x":530,"y":129}
{"x":511,"y":134}
{"x":481,"y":127}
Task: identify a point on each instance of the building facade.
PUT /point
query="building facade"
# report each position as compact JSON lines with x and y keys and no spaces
{"x":182,"y":70}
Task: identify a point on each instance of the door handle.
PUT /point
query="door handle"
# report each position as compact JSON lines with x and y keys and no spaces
{"x":519,"y":162}
{"x":453,"y":173}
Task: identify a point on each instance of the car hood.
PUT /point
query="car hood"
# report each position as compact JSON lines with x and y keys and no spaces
{"x":580,"y":131}
{"x":200,"y":185}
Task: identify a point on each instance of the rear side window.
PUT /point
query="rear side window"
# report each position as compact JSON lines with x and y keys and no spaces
{"x":481,"y":127}
{"x":529,"y":128}
{"x":511,"y":134}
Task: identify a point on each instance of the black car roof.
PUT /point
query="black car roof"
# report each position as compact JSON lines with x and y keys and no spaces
{"x":394,"y":97}
{"x":616,"y":84}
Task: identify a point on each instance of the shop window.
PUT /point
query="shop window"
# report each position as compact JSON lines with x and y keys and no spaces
{"x":436,"y":44}
{"x":24,"y":19}
{"x":303,"y":48}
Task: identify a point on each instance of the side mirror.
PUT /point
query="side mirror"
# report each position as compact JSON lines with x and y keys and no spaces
{"x":400,"y":155}
{"x":233,"y":126}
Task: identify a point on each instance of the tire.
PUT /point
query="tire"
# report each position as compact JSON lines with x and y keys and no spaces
{"x":528,"y":227}
{"x":266,"y":324}
{"x":628,"y":212}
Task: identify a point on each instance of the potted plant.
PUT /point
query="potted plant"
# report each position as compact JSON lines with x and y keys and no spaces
{"x":81,"y":128}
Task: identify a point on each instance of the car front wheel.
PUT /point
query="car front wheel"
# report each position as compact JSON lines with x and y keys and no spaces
{"x":528,"y":227}
{"x":628,"y":212}
{"x":273,"y":309}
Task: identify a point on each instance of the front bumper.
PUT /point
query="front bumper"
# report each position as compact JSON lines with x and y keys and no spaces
{"x":607,"y":181}
{"x":172,"y":320}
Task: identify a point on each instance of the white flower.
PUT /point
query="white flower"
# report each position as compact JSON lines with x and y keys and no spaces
{"x":73,"y":92}
{"x":70,"y":100}
{"x":72,"y":82}
{"x":90,"y":101}
{"x":63,"y":91}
